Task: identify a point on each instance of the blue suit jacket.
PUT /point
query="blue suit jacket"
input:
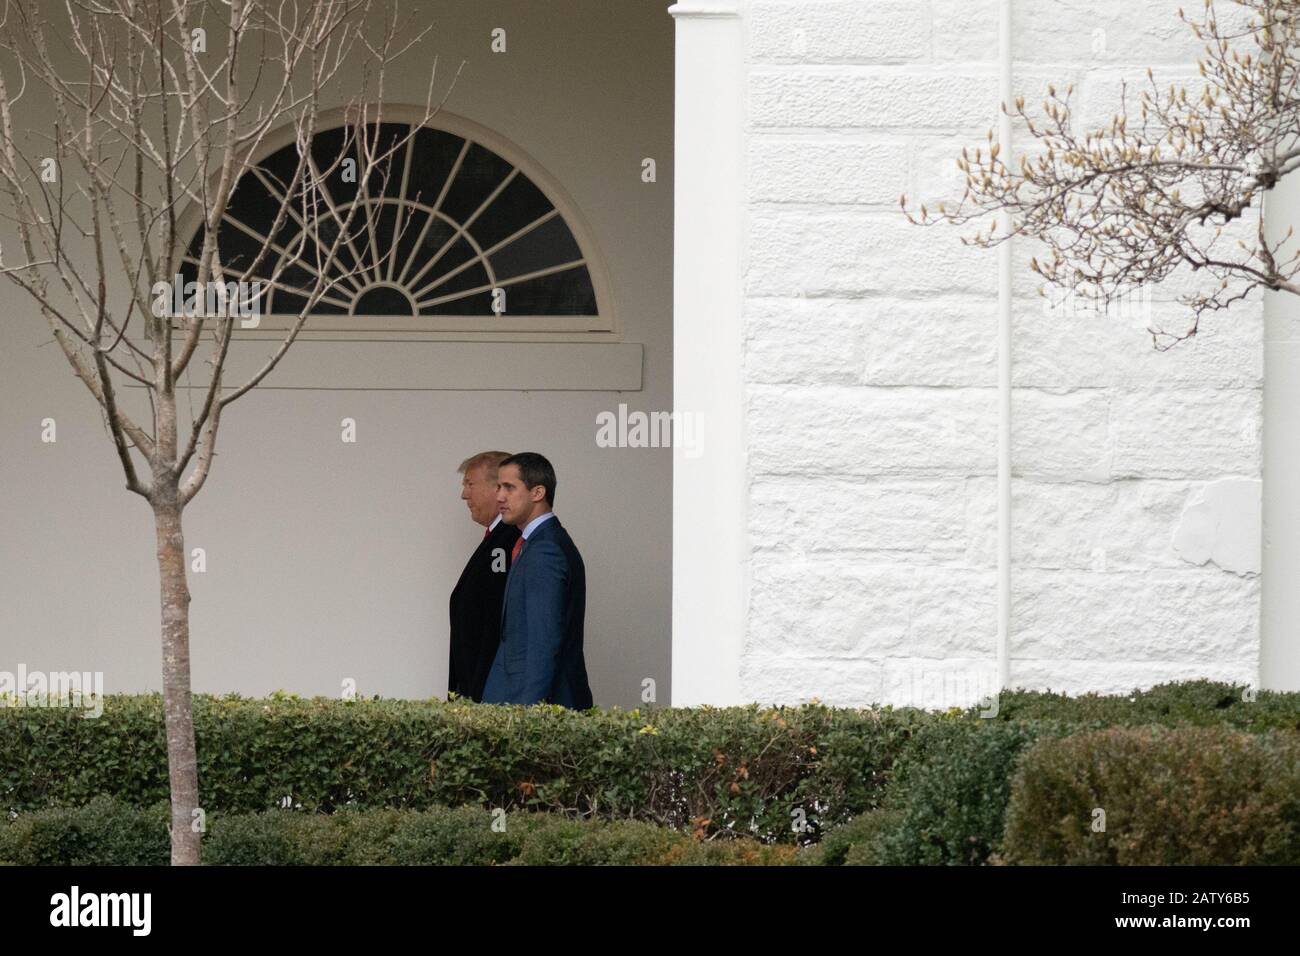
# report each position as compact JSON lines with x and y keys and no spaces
{"x":540,"y":657}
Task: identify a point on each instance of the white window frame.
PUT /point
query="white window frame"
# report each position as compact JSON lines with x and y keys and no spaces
{"x":605,"y":326}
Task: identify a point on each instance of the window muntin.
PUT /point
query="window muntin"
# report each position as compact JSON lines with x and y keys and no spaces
{"x":453,"y":220}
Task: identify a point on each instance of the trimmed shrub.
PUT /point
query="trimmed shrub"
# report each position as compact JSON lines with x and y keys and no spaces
{"x":947,"y":800}
{"x":104,"y":832}
{"x":1198,"y":703}
{"x":718,"y":773}
{"x":874,"y":828}
{"x":735,"y":852}
{"x":1191,"y":796}
{"x":856,"y":843}
{"x":744,"y":770}
{"x":108,"y":832}
{"x":949,"y":797}
{"x":566,"y":842}
{"x":274,"y":838}
{"x":965,"y":792}
{"x":460,"y":837}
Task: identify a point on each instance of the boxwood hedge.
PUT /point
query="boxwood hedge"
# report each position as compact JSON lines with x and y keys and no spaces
{"x":912,"y":786}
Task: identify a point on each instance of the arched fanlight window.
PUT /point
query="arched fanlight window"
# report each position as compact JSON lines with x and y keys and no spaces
{"x":460,"y":234}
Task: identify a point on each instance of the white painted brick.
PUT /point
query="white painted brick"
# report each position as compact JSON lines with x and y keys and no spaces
{"x":1063,"y":30}
{"x":1036,"y":83}
{"x":806,"y":341}
{"x":1060,"y":437}
{"x":858,"y":611}
{"x":824,"y":32}
{"x":936,"y":178}
{"x":964,"y":31}
{"x":870,"y":98}
{"x":1122,"y":525}
{"x":982,"y":522}
{"x":940,"y":341}
{"x":872,"y":431}
{"x":870,"y":356}
{"x":1078,"y":344}
{"x":869,"y":611}
{"x":878,"y":520}
{"x":837,"y":683}
{"x":1186,"y":433}
{"x":1191,"y":616}
{"x":1222,"y":526}
{"x":790,"y":169}
{"x":1104,"y":31}
{"x":1108,"y":92}
{"x":954,"y":614}
{"x":802,"y":253}
{"x":871,"y":341}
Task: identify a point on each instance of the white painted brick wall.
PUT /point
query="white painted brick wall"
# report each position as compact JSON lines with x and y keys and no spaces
{"x":871,"y":366}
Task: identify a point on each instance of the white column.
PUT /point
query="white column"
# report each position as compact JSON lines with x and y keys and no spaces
{"x":710,"y":554}
{"x":1279,"y":653}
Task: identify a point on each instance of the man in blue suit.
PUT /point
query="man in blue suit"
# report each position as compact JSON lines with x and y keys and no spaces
{"x":540,"y":657}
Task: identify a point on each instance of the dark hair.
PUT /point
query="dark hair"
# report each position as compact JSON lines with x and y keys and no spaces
{"x":534,"y":470}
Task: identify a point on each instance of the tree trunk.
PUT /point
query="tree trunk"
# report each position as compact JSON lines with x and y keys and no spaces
{"x":182,"y":765}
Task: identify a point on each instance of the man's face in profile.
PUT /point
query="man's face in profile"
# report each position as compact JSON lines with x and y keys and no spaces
{"x":479,"y":493}
{"x":513,"y":499}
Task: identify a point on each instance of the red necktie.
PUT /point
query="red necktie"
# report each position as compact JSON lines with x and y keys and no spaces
{"x":519,"y":546}
{"x":486,"y":533}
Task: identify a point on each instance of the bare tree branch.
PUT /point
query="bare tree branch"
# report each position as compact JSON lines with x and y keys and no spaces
{"x":1125,"y":205}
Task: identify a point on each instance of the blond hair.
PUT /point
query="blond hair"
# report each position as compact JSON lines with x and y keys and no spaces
{"x":489,"y":460}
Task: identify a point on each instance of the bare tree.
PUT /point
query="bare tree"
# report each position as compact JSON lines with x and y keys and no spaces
{"x":145,"y":124}
{"x":1126,"y":205}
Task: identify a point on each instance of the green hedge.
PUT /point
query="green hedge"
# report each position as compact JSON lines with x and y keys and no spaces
{"x":946,"y":801}
{"x":734,"y":771}
{"x":104,"y":832}
{"x":1171,"y":796}
{"x":1192,"y":796}
{"x":939,"y":780}
{"x":108,"y":832}
{"x":948,"y":796}
{"x":1199,"y":703}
